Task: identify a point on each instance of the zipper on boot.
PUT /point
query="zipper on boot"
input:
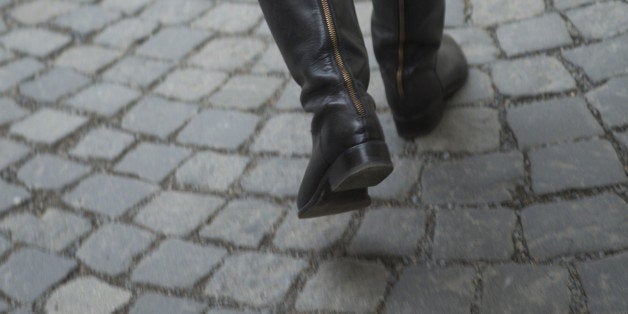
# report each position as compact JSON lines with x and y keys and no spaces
{"x":400,"y":52}
{"x":339,"y":60}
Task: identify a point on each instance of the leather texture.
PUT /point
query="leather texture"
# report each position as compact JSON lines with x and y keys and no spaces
{"x":301,"y":33}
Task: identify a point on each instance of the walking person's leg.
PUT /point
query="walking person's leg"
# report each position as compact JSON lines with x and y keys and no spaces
{"x":420,"y":67}
{"x":322,"y":45}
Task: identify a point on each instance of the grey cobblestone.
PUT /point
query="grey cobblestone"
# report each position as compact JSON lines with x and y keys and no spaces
{"x":47,"y":171}
{"x":103,"y":98}
{"x":278,"y":176}
{"x":454,"y":14}
{"x":126,"y":6}
{"x":531,"y":76}
{"x":137,"y":71}
{"x":152,"y":161}
{"x":11,"y":152}
{"x":523,"y":36}
{"x":87,"y":19}
{"x":610,"y":100}
{"x":177,"y":264}
{"x":566,"y":4}
{"x":125,"y":32}
{"x":601,"y":19}
{"x":310,"y":234}
{"x":568,"y":227}
{"x":54,"y":84}
{"x":177,"y":213}
{"x":16,"y":71}
{"x":158,"y":116}
{"x":270,"y":62}
{"x":211,"y":171}
{"x":244,"y":222}
{"x":289,"y":98}
{"x":230,"y":18}
{"x":391,"y":231}
{"x":489,"y":12}
{"x":228,"y":53}
{"x":477,"y":89}
{"x":40,"y":11}
{"x":604,"y":283}
{"x":168,"y":12}
{"x":255,"y":278}
{"x":47,"y":126}
{"x":172,"y":43}
{"x":11,"y":195}
{"x":35,"y":41}
{"x":344,"y":285}
{"x":227,"y":129}
{"x":28,"y":273}
{"x":87,"y":294}
{"x":285,"y":133}
{"x":246,"y":92}
{"x":438,"y":290}
{"x":574,"y":166}
{"x":87,"y":59}
{"x":602,"y":60}
{"x":190,"y":84}
{"x":102,"y":143}
{"x":112,"y":247}
{"x":400,"y":182}
{"x":154,"y":303}
{"x":476,"y":43}
{"x":622,"y":138}
{"x":54,"y":230}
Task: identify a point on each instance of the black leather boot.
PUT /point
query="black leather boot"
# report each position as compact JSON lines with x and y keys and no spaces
{"x":322,"y":45}
{"x":420,"y":67}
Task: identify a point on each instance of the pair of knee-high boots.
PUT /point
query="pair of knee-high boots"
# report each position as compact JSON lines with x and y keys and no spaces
{"x":322,"y":45}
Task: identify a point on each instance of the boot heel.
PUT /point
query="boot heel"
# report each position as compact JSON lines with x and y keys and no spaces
{"x":360,"y":166}
{"x":410,"y":128}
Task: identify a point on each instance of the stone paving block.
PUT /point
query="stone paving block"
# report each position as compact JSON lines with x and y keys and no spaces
{"x":4,"y":306}
{"x":230,"y":17}
{"x":621,"y":137}
{"x":244,"y":222}
{"x":489,"y":12}
{"x":601,"y":19}
{"x":532,"y":76}
{"x":263,"y":30}
{"x":477,"y":89}
{"x":87,"y":59}
{"x":602,"y":60}
{"x":246,"y":91}
{"x":396,"y":144}
{"x":172,"y":43}
{"x":177,"y":264}
{"x":5,"y":54}
{"x":310,"y":234}
{"x":363,"y":11}
{"x":158,"y":116}
{"x":126,"y":6}
{"x":575,"y":166}
{"x":125,"y":32}
{"x":87,"y":19}
{"x":587,"y":225}
{"x":255,"y":278}
{"x":432,"y":290}
{"x":153,"y":161}
{"x":102,"y":143}
{"x":389,"y":231}
{"x":344,"y":285}
{"x":566,"y":4}
{"x":11,"y":152}
{"x":286,"y":134}
{"x":40,"y":11}
{"x":376,"y":89}
{"x":271,"y":62}
{"x":137,"y":71}
{"x":11,"y":195}
{"x":172,"y":12}
{"x":604,"y":283}
{"x":35,"y":41}
{"x":464,"y":130}
{"x":48,"y":172}
{"x":211,"y":171}
{"x":219,"y":129}
{"x":479,"y":179}
{"x":610,"y":100}
{"x":454,"y":14}
{"x":103,"y":98}
{"x":552,"y":122}
{"x":400,"y":182}
{"x":54,"y":230}
{"x":373,"y":64}
{"x":108,"y":195}
{"x":474,"y":234}
{"x":87,"y":294}
{"x":154,"y":303}
{"x":228,"y":53}
{"x":191,"y":84}
{"x":177,"y":213}
{"x":476,"y":43}
{"x":16,"y":71}
{"x":521,"y":37}
{"x":278,"y":176}
{"x":111,"y":248}
{"x":516,"y":288}
{"x":54,"y":84}
{"x":290,"y":97}
{"x":28,"y":273}
{"x":47,"y":126}
{"x":4,"y":247}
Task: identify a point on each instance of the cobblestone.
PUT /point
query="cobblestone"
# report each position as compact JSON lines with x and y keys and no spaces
{"x":11,"y":195}
{"x":35,"y":41}
{"x":230,"y":18}
{"x":47,"y":126}
{"x":604,"y":283}
{"x":228,"y":53}
{"x":125,"y":32}
{"x":270,"y":62}
{"x":28,"y":273}
{"x":11,"y":152}
{"x":112,"y":247}
{"x":439,"y":290}
{"x":523,"y":288}
{"x":177,"y":213}
{"x":255,"y":278}
{"x":211,"y":171}
{"x":50,"y":172}
{"x":399,"y":184}
{"x":474,"y":234}
{"x":574,"y":166}
{"x":168,"y":12}
{"x":287,"y":134}
{"x":87,"y":294}
{"x":246,"y":92}
{"x":40,"y":11}
{"x":87,"y":59}
{"x":103,"y":98}
{"x":477,"y":89}
{"x":158,"y":304}
{"x":344,"y":285}
{"x":177,"y":264}
{"x":126,"y":6}
{"x":277,"y":176}
{"x":476,"y":43}
{"x":54,"y":230}
{"x":102,"y":143}
{"x":489,"y":12}
{"x":576,"y":226}
{"x":602,"y":60}
{"x":531,"y":76}
{"x":16,"y":71}
{"x":389,"y":231}
{"x":601,"y":19}
{"x":244,"y":222}
{"x":152,"y":161}
{"x":158,"y":116}
{"x":521,"y":37}
{"x":190,"y":84}
{"x":227,"y":129}
{"x":87,"y":19}
{"x":172,"y":43}
{"x":610,"y":99}
{"x":552,"y":122}
{"x":622,"y":138}
{"x":137,"y":71}
{"x":54,"y":85}
{"x":311,"y":234}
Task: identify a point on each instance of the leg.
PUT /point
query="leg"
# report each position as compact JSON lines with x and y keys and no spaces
{"x":327,"y":58}
{"x":420,"y":67}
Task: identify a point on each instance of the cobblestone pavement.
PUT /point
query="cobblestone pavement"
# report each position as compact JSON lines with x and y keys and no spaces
{"x":151,"y":150}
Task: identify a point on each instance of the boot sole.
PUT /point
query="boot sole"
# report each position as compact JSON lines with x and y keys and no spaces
{"x":344,"y":186}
